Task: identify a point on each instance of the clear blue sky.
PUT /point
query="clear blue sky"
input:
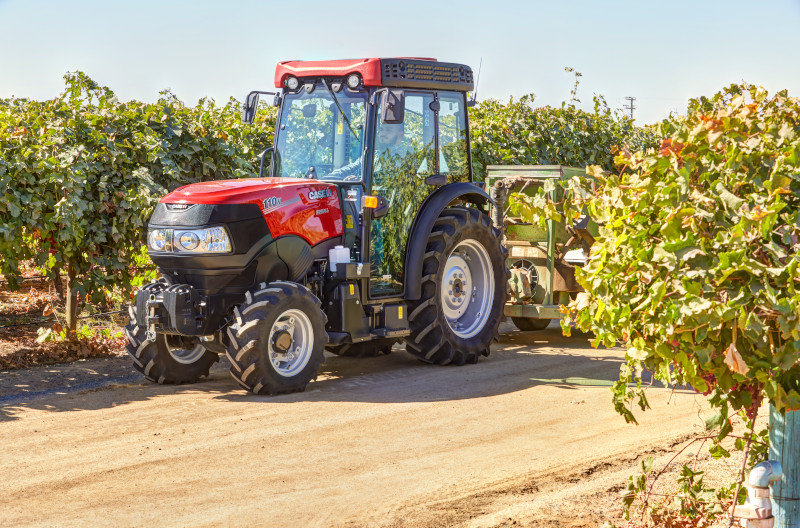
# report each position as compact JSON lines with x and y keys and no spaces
{"x":662,"y":53}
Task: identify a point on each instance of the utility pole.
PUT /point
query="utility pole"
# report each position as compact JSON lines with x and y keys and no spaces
{"x":630,"y":105}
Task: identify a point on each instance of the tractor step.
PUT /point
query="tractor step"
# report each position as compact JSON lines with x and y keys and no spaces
{"x":385,"y":332}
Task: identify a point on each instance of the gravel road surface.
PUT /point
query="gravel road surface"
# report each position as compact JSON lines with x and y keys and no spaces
{"x":386,"y":441}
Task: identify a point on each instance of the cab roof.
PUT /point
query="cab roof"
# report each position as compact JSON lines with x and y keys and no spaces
{"x":399,"y":72}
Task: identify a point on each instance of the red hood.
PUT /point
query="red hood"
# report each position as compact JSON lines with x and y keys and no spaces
{"x":291,"y":206}
{"x":246,"y":190}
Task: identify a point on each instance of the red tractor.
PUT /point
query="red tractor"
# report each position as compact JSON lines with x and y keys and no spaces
{"x":367,"y":230}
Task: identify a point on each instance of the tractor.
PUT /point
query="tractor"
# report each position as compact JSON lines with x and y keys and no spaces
{"x":365,"y":229}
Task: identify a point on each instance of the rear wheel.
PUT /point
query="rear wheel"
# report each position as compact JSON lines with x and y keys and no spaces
{"x":277,"y":339}
{"x":463,"y":290}
{"x":170,"y":359}
{"x":530,"y":325}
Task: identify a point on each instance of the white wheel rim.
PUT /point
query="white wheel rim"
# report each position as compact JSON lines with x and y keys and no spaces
{"x":467,"y":289}
{"x":186,"y":356}
{"x":292,"y":361}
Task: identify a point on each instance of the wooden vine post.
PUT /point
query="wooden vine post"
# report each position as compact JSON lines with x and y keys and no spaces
{"x":784,"y":446}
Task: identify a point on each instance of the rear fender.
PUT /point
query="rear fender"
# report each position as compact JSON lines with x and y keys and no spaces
{"x":430,"y":210}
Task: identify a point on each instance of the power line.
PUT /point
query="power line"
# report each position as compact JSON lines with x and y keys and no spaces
{"x":45,"y":321}
{"x":630,"y":105}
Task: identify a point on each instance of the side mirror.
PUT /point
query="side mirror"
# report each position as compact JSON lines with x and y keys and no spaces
{"x":249,"y":110}
{"x":251,"y":105}
{"x":393,"y":106}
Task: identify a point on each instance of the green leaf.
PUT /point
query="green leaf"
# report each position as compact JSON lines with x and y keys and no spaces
{"x":718,"y":451}
{"x":731,"y":202}
{"x":714,"y":421}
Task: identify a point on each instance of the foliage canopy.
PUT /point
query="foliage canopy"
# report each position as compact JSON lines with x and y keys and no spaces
{"x":80,"y":174}
{"x":695,"y":270}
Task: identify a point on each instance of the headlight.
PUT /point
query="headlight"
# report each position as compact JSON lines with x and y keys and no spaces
{"x":157,"y":239}
{"x":189,"y":241}
{"x":209,"y":240}
{"x":353,"y":80}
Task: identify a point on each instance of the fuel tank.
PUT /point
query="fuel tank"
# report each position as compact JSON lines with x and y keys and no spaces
{"x":309,"y":209}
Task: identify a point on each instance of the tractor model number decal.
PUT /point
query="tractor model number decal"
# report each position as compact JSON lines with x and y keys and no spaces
{"x":319,"y":195}
{"x":273,"y":203}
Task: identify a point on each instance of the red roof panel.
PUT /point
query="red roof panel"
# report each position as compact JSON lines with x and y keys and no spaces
{"x":369,"y":69}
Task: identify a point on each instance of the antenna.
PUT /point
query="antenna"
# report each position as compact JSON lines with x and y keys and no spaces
{"x":477,"y":81}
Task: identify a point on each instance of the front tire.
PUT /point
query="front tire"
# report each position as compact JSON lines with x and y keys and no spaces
{"x":168,"y":359}
{"x":277,"y":339}
{"x":463,"y":290}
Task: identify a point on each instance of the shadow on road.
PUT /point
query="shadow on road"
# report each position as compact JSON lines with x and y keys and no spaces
{"x":518,"y":362}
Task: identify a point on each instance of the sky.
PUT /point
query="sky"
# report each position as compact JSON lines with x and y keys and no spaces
{"x":661,"y":53}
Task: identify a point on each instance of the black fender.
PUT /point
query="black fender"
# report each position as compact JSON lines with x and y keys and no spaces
{"x":431,"y":208}
{"x":286,"y":258}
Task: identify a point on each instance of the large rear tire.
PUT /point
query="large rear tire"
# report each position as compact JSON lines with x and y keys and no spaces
{"x":168,"y":359}
{"x":463,"y":290}
{"x":277,"y":340}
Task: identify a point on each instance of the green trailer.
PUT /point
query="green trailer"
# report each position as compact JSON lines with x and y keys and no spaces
{"x":542,"y":260}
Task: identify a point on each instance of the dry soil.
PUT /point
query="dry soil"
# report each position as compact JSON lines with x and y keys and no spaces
{"x":527,"y":437}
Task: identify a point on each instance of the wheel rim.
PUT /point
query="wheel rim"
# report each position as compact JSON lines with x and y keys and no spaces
{"x":289,"y":361}
{"x":467,"y":288}
{"x":527,"y":265}
{"x":183,"y":354}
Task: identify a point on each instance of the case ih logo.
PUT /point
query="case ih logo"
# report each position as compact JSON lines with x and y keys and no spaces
{"x":319,"y":195}
{"x":273,"y":203}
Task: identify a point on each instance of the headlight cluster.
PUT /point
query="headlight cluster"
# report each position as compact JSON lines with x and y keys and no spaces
{"x":209,"y":240}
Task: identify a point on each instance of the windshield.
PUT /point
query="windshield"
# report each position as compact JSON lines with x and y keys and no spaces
{"x":316,"y":141}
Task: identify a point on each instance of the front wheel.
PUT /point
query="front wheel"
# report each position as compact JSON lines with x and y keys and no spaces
{"x":277,"y":340}
{"x":463,"y":290}
{"x":170,"y":359}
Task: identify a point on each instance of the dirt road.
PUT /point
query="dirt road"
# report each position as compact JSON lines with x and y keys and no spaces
{"x":374,"y":442}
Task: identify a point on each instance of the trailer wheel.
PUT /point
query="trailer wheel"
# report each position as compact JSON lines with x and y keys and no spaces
{"x":530,"y":325}
{"x":372,"y":348}
{"x":277,"y":340}
{"x":169,"y":359}
{"x":463,"y":290}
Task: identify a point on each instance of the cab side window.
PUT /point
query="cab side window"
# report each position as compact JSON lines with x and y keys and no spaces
{"x":453,"y":137}
{"x":404,"y":157}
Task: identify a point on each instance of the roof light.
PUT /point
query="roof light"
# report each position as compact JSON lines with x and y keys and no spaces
{"x":292,"y":83}
{"x":353,"y":80}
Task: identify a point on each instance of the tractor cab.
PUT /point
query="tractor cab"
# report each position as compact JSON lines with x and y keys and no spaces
{"x":387,"y":132}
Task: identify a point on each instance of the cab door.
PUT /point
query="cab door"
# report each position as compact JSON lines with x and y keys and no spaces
{"x":398,"y":174}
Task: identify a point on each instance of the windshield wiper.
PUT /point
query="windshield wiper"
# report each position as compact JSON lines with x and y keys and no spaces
{"x":341,"y":112}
